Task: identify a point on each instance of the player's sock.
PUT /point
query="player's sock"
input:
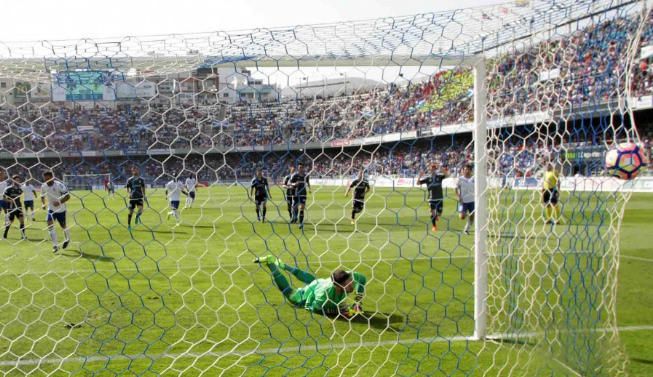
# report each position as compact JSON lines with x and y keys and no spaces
{"x":302,"y":276}
{"x":548,"y":213}
{"x":66,"y":233}
{"x":22,"y":231}
{"x":129,"y":219}
{"x":53,"y":236}
{"x":176,"y":214}
{"x":301,"y":217}
{"x":353,"y":215}
{"x":556,"y":213}
{"x":138,"y":217}
{"x":433,"y":219}
{"x":280,"y":280}
{"x":265,"y":212}
{"x":6,"y":231}
{"x":274,"y":264}
{"x":290,"y":210}
{"x":467,"y":224}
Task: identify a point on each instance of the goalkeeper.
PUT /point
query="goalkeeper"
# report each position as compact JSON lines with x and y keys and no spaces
{"x":325,"y":296}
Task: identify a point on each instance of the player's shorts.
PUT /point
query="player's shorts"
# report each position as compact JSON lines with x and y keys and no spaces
{"x":260,"y":200}
{"x":466,"y":208}
{"x":29,"y":204}
{"x":436,"y":205}
{"x":60,"y":217}
{"x":192,"y":194}
{"x":296,"y":297}
{"x":301,"y":199}
{"x":135,"y":202}
{"x":359,"y":204}
{"x":174,"y":204}
{"x":15,"y":213}
{"x":550,"y":196}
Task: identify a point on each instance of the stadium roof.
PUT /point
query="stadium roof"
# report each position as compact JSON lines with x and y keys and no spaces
{"x":435,"y":39}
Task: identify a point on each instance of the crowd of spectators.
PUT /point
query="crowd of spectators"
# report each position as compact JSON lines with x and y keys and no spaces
{"x":518,"y":155}
{"x":564,"y":72}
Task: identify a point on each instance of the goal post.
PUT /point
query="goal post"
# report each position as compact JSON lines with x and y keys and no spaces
{"x":480,"y":181}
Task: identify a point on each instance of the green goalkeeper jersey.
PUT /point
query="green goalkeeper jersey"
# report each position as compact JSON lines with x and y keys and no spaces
{"x":320,"y":296}
{"x":359,"y":281}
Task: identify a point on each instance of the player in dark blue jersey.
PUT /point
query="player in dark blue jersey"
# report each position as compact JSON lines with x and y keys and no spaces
{"x":136,"y":189}
{"x":361,"y":186}
{"x":290,"y":192}
{"x":300,"y":182}
{"x":436,"y":196}
{"x":260,"y":190}
{"x":11,"y":196}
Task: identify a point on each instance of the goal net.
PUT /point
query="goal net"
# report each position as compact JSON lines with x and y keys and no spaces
{"x":193,"y":123}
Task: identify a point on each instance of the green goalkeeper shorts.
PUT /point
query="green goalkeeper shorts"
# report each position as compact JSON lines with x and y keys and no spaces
{"x":296,"y":298}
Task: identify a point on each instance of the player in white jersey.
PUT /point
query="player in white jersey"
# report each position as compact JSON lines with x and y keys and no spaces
{"x":465,"y":193}
{"x":191,"y":183}
{"x":4,"y":183}
{"x":174,"y":189}
{"x":29,"y":193}
{"x":56,"y":194}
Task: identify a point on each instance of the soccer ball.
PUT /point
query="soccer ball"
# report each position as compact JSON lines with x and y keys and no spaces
{"x":625,"y":161}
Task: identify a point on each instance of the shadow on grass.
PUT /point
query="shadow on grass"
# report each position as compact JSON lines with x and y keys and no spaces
{"x":199,"y":226}
{"x":163,"y":231}
{"x":379,"y":320}
{"x":93,"y":257}
{"x":642,"y":361}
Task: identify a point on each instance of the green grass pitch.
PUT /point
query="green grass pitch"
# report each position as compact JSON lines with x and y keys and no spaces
{"x":182,"y":299}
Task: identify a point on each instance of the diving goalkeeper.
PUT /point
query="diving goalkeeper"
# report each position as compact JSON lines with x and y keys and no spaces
{"x":325,"y":296}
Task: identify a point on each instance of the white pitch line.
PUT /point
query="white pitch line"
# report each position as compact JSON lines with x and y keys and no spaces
{"x":650,"y":260}
{"x":274,"y":350}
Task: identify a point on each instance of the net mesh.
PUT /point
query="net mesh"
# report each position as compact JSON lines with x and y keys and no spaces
{"x":198,"y":114}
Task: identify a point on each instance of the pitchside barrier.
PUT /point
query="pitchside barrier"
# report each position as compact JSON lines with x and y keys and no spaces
{"x":604,"y":184}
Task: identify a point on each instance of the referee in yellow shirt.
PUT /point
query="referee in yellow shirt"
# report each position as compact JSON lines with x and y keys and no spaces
{"x":550,"y":194}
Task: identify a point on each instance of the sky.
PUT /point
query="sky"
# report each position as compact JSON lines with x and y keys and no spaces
{"x":29,"y":20}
